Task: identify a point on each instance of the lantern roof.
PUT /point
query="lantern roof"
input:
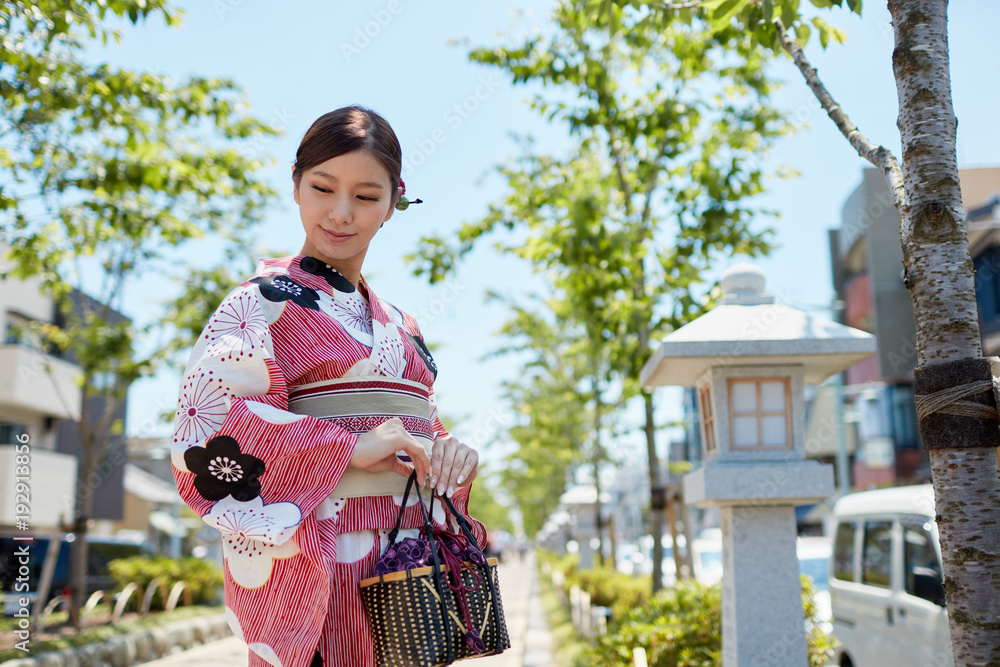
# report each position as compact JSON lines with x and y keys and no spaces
{"x":747,"y":328}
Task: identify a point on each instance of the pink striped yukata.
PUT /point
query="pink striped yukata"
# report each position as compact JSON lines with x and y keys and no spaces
{"x":264,"y":472}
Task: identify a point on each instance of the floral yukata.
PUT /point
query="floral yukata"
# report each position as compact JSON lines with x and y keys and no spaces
{"x":263,"y":475}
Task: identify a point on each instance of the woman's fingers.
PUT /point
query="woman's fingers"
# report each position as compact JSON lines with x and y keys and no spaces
{"x":453,"y":464}
{"x":418,"y":457}
{"x":437,"y":453}
{"x":446,"y":475}
{"x":467,"y":473}
{"x":376,"y":450}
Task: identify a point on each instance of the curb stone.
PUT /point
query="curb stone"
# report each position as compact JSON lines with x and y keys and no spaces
{"x":135,"y":648}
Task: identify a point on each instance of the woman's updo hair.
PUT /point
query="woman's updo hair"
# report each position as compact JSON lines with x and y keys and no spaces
{"x":349,"y":129}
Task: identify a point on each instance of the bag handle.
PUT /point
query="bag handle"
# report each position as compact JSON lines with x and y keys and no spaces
{"x":438,"y":573}
{"x":464,"y":525}
{"x":411,"y":480}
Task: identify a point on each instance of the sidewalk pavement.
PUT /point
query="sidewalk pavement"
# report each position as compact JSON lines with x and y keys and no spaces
{"x":531,"y":643}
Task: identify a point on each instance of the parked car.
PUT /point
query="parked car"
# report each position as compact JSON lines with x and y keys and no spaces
{"x":706,"y":555}
{"x":102,"y":549}
{"x":885,"y":580}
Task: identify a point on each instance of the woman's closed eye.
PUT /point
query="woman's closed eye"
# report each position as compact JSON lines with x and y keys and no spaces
{"x":327,"y":192}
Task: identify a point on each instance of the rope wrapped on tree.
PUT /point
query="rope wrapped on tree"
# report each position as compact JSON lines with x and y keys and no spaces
{"x":957,"y":403}
{"x":949,"y":401}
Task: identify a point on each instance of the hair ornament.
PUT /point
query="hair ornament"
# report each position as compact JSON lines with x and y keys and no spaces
{"x":403,"y":203}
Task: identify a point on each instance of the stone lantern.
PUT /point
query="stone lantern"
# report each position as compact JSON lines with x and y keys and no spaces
{"x":749,"y":359}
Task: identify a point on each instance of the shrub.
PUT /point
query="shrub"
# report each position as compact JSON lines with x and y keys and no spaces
{"x":611,"y":588}
{"x":203,"y":578}
{"x":567,"y":563}
{"x":682,"y":627}
{"x":678,"y":627}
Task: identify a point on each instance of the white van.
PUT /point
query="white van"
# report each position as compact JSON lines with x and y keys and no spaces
{"x":885,"y":580}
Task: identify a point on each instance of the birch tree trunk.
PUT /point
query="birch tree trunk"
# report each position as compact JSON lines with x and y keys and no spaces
{"x":939,"y":275}
{"x":956,"y":402}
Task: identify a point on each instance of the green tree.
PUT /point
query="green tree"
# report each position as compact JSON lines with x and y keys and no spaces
{"x":658,"y":189}
{"x":485,"y":505}
{"x":103,"y":173}
{"x":550,"y":429}
{"x":956,"y":405}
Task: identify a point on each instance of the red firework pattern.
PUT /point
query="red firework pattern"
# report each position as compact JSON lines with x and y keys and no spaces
{"x":202,"y":407}
{"x":237,"y":328}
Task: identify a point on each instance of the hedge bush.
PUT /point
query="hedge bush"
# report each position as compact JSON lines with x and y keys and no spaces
{"x":567,"y":563}
{"x":611,"y":588}
{"x":203,"y":578}
{"x":682,"y":627}
{"x":678,"y":627}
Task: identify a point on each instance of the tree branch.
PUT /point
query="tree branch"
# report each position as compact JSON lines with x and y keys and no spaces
{"x":674,"y":6}
{"x":880,"y":156}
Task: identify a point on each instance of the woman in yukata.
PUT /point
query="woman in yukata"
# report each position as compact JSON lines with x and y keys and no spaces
{"x":306,"y":403}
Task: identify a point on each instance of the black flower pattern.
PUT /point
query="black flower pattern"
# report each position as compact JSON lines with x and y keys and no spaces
{"x":327,"y":273}
{"x":282,"y":288}
{"x":424,"y":353}
{"x":222,"y":470}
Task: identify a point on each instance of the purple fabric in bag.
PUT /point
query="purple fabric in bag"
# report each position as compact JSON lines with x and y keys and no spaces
{"x":412,"y":552}
{"x":405,"y":554}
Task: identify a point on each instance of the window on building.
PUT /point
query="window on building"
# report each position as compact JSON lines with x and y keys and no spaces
{"x":987,"y":267}
{"x":18,"y":330}
{"x":760,"y":410}
{"x":904,"y":417}
{"x":707,"y":417}
{"x":9,"y":433}
{"x":843,"y":552}
{"x":877,"y":553}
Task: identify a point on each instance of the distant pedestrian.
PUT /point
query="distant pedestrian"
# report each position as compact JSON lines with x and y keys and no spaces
{"x":299,"y":399}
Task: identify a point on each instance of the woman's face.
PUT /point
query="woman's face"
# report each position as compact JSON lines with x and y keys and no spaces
{"x":342,"y":203}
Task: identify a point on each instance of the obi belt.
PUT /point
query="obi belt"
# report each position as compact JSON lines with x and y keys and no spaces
{"x":360,"y":404}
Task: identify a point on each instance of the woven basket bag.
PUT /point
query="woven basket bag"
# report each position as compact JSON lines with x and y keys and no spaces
{"x":415,"y":617}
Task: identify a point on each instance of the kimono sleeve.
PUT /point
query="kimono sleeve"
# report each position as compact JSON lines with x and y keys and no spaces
{"x":242,"y":461}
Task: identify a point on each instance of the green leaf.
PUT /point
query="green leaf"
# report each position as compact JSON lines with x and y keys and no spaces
{"x":824,"y":31}
{"x":767,"y":8}
{"x":802,"y":34}
{"x":854,"y":6}
{"x":789,"y":13}
{"x":723,"y":11}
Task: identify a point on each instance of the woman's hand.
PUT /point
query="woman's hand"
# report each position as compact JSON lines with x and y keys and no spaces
{"x":376,"y":451}
{"x":453,"y":464}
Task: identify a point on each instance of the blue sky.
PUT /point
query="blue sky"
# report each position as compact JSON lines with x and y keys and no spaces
{"x":454,"y":121}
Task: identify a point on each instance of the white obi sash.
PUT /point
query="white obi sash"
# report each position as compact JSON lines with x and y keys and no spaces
{"x":360,"y":404}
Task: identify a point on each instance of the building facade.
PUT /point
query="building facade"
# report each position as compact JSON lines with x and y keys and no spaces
{"x":877,"y":394}
{"x":40,"y":406}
